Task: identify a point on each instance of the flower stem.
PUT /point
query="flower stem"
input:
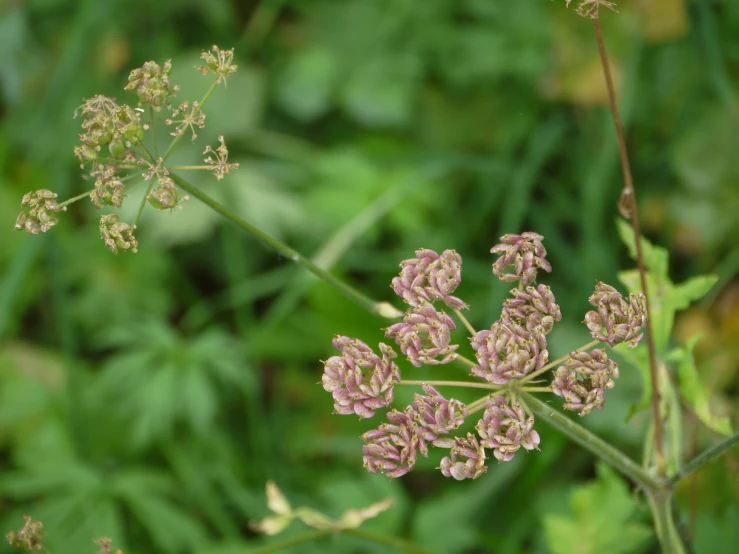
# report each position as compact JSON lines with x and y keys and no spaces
{"x":395,"y":542}
{"x":535,"y":389}
{"x":464,"y":321}
{"x":74,"y":199}
{"x":464,"y":384}
{"x":189,"y":167}
{"x":383,"y":309}
{"x":555,"y":363}
{"x":629,"y":209}
{"x":153,"y":129}
{"x":292,"y":541}
{"x":593,"y":443}
{"x":466,"y":361}
{"x":702,"y":459}
{"x":143,"y":204}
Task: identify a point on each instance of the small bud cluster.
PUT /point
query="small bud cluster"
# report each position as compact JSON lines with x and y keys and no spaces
{"x":29,"y":537}
{"x":105,"y":123}
{"x":219,"y":62}
{"x":38,"y":213}
{"x":510,"y":355}
{"x":219,"y":160}
{"x":151,"y":83}
{"x":190,"y":117}
{"x":353,"y":390}
{"x":108,"y":189}
{"x":117,"y":235}
{"x":615,"y":320}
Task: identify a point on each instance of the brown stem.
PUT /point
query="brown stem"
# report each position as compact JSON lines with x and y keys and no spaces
{"x":629,"y":209}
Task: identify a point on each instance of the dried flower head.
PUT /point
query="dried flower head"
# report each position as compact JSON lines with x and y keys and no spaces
{"x":117,"y":235}
{"x":108,"y":189}
{"x":424,"y":336}
{"x":523,"y":255}
{"x":219,"y":62}
{"x":151,"y":83}
{"x":509,"y":351}
{"x":29,"y":537}
{"x":584,"y":379}
{"x":506,"y":428}
{"x":531,"y":308}
{"x":165,"y":196}
{"x":466,"y":459}
{"x":190,"y":117}
{"x":429,"y":278}
{"x":219,"y":160}
{"x":589,"y":8}
{"x":105,"y":123}
{"x":38,"y":212}
{"x":615,"y":320}
{"x":106,"y":546}
{"x":354,"y":390}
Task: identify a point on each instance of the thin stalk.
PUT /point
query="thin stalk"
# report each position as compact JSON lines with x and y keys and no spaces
{"x":287,"y":543}
{"x":74,"y":199}
{"x":383,"y":309}
{"x":143,"y":204}
{"x":463,"y":384}
{"x":464,"y":321}
{"x":702,"y":459}
{"x":535,"y":389}
{"x":466,"y":361}
{"x":400,"y":544}
{"x":628,"y":197}
{"x":555,"y":363}
{"x":178,"y":138}
{"x":593,"y":443}
{"x":153,"y":131}
{"x":480,"y":403}
{"x":189,"y":167}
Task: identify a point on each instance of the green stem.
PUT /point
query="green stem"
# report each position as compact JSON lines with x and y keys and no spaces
{"x":593,"y":443}
{"x":464,"y":321}
{"x":400,"y":544}
{"x":287,"y":543}
{"x":465,"y":384}
{"x":143,"y":204}
{"x":189,"y":167}
{"x":555,"y":363}
{"x":702,"y":459}
{"x":383,"y":309}
{"x":178,"y":138}
{"x":153,"y":133}
{"x":534,"y":389}
{"x":466,"y":360}
{"x":74,"y":199}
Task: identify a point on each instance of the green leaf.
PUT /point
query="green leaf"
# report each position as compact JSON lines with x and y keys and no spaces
{"x":655,"y":257}
{"x":695,"y":392}
{"x":695,"y":288}
{"x":601,"y":519}
{"x":305,"y":88}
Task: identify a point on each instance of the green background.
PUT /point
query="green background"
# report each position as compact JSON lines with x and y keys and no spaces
{"x":149,"y":397}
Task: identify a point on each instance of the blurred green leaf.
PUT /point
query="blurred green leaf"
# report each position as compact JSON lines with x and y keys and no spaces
{"x":601,"y":519}
{"x":305,"y":86}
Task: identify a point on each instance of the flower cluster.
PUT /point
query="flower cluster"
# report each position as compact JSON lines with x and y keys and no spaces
{"x":505,"y":428}
{"x":353,"y":390}
{"x":509,"y":355}
{"x":38,"y":214}
{"x":219,"y":160}
{"x":105,"y":123}
{"x":393,"y":447}
{"x":117,"y":235}
{"x":522,"y":256}
{"x":151,"y":83}
{"x":430,"y":277}
{"x":219,"y":62}
{"x":615,"y":320}
{"x":29,"y":537}
{"x":190,"y":117}
{"x":584,"y":379}
{"x":424,"y":336}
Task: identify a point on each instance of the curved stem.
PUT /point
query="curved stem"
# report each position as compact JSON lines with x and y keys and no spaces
{"x":143,"y":204}
{"x":555,"y":363}
{"x":464,"y":384}
{"x":383,"y":309}
{"x":629,"y":209}
{"x":702,"y":459}
{"x":593,"y":443}
{"x":395,"y":542}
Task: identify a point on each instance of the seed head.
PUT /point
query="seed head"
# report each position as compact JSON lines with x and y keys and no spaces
{"x":38,"y":212}
{"x":615,"y":320}
{"x":429,"y":278}
{"x":151,"y":83}
{"x":506,"y":428}
{"x":424,"y":336}
{"x":584,"y":379}
{"x":219,"y":160}
{"x":522,"y":256}
{"x":219,"y":62}
{"x":117,"y":235}
{"x":466,"y":459}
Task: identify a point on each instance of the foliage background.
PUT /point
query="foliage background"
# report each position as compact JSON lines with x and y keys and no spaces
{"x":149,"y":397}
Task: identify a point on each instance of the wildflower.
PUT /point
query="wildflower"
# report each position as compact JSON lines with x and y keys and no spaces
{"x":506,"y":428}
{"x":38,"y":214}
{"x":192,"y":117}
{"x":219,"y":161}
{"x":524,"y":254}
{"x":615,"y":321}
{"x":219,"y":62}
{"x":466,"y":459}
{"x":430,"y":278}
{"x":353,"y":390}
{"x":424,"y":336}
{"x":508,"y":351}
{"x":151,"y":83}
{"x":589,"y":8}
{"x":29,"y":537}
{"x":584,"y":379}
{"x":165,"y":196}
{"x":532,"y":307}
{"x":105,"y":123}
{"x":436,"y":412}
{"x":117,"y":236}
